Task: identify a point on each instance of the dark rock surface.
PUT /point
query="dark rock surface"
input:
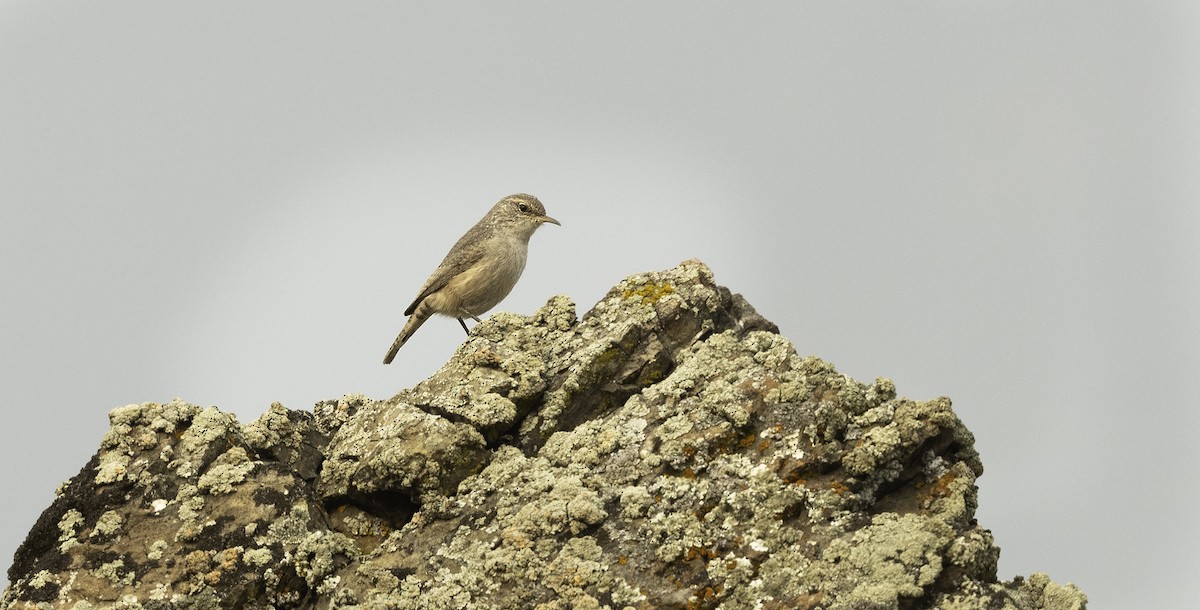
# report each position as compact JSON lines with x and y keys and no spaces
{"x":668,"y":450}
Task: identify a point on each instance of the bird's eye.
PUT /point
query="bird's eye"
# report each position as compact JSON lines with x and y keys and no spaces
{"x":523,"y":207}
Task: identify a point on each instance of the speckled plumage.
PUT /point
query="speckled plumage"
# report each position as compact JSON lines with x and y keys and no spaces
{"x":481,"y":269}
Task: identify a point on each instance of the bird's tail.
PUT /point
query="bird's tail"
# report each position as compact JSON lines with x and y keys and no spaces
{"x":414,"y":322}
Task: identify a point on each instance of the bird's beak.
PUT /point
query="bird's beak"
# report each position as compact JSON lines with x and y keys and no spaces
{"x":548,"y":219}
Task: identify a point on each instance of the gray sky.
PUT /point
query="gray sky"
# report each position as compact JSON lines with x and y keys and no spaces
{"x":232,"y":203}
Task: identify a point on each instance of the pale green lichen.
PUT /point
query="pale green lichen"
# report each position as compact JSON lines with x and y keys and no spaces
{"x":68,"y":528}
{"x":493,"y":407}
{"x":731,"y":571}
{"x":1050,"y":595}
{"x":671,"y":458}
{"x":952,"y":496}
{"x":41,"y":579}
{"x":330,"y":415}
{"x":895,"y":556}
{"x":108,"y":525}
{"x":291,"y":528}
{"x":112,"y":467}
{"x":404,"y":450}
{"x":577,"y":566}
{"x":565,"y":448}
{"x":727,"y":401}
{"x":270,"y":428}
{"x":635,"y":502}
{"x":208,"y":426}
{"x":115,"y":572}
{"x":364,"y":524}
{"x":567,"y":506}
{"x":258,"y":557}
{"x":674,"y":533}
{"x":152,"y":416}
{"x":975,"y":553}
{"x":527,"y":371}
{"x":1037,"y":592}
{"x":627,"y":595}
{"x":227,"y":471}
{"x":136,"y":428}
{"x":157,"y":549}
{"x":160,"y":593}
{"x":190,"y":510}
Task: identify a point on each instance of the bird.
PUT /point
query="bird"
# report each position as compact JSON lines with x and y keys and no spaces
{"x":480,"y":270}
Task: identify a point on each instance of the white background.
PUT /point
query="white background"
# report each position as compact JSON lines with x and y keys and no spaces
{"x":996,"y":201}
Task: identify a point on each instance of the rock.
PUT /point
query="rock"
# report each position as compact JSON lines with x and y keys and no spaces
{"x":667,"y":450}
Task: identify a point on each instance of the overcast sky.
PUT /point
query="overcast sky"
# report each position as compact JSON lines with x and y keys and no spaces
{"x":233,"y":202}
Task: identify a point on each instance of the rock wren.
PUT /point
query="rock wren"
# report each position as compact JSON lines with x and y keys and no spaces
{"x":480,"y":270}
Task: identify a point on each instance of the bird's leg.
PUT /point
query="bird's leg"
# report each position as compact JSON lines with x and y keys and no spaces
{"x":467,"y":314}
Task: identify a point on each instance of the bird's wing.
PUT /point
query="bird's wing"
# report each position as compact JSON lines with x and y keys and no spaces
{"x":441,"y":276}
{"x":465,"y":253}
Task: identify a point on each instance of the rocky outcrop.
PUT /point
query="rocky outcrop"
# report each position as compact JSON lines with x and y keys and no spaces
{"x":667,"y":450}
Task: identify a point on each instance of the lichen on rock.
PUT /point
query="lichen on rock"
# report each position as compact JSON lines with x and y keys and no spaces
{"x":668,"y":449}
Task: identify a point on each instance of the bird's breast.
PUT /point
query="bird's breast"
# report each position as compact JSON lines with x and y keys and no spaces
{"x":489,"y":280}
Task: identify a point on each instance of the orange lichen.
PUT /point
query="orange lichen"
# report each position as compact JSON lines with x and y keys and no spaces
{"x":941,"y":487}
